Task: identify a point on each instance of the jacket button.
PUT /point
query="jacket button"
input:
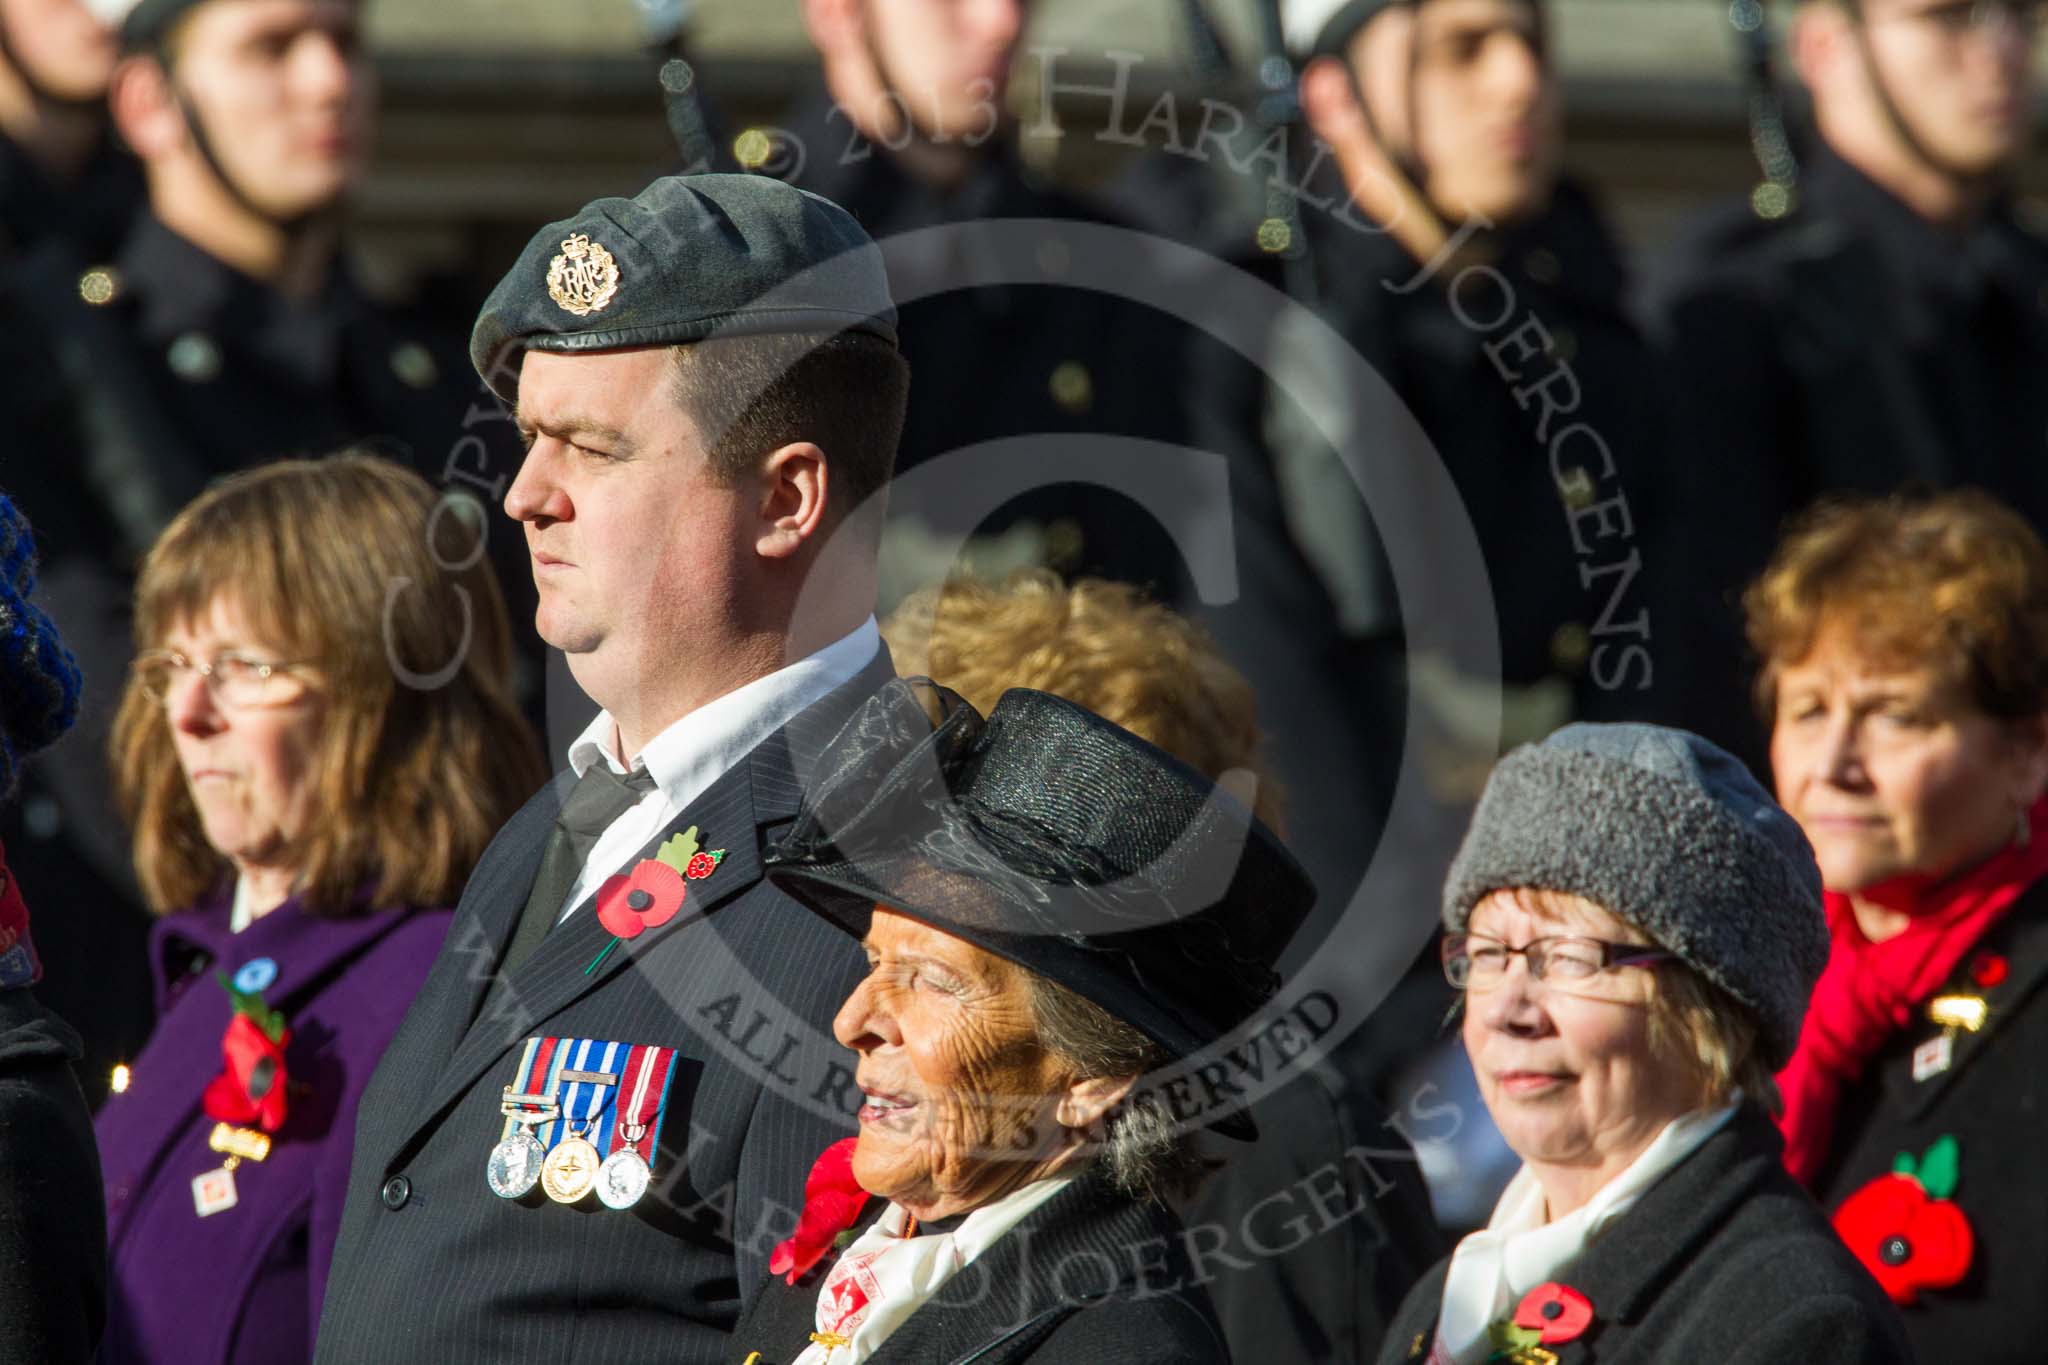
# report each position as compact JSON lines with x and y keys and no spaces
{"x":396,"y":1191}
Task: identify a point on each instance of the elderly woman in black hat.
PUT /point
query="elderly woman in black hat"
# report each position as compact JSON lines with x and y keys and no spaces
{"x":1636,"y":927}
{"x":1052,"y":910}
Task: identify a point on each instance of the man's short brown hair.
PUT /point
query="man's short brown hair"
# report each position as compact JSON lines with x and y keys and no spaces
{"x":750,"y":395}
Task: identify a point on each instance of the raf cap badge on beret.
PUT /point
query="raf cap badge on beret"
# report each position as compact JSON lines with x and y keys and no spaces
{"x":583,"y":279}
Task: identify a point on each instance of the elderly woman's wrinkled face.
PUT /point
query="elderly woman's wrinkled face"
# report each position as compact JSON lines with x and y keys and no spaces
{"x":1894,"y":773}
{"x":960,"y":1101}
{"x":247,"y":765}
{"x":1568,"y":1074}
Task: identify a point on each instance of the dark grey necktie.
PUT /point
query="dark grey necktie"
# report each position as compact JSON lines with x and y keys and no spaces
{"x":599,"y":797}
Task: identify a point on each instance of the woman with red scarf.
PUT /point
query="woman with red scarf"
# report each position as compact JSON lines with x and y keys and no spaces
{"x":1905,"y":677}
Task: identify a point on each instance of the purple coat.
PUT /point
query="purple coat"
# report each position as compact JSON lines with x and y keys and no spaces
{"x":244,"y":1286}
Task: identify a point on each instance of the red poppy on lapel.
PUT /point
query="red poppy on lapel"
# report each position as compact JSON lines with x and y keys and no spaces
{"x":647,"y":898}
{"x":1905,"y":1230}
{"x":1558,"y":1312}
{"x":252,"y":1087}
{"x":833,"y":1200}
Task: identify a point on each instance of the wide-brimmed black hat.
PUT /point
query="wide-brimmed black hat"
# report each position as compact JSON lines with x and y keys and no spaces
{"x":1055,"y":839}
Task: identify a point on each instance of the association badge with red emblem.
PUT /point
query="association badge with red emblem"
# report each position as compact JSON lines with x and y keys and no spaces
{"x":629,"y":904}
{"x":1906,"y":1229}
{"x":250,"y":1098}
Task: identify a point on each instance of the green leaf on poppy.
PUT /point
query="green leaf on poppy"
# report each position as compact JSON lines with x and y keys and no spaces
{"x":679,"y":849}
{"x":1904,"y":1164}
{"x":844,"y":1240}
{"x":1506,"y":1336}
{"x":1940,"y":1168}
{"x":252,"y":1004}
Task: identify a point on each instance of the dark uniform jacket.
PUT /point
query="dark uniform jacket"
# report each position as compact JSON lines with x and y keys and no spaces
{"x":1534,"y":386}
{"x":53,"y":1236}
{"x":244,"y":1286}
{"x":1309,"y":1238}
{"x":130,"y":386}
{"x":1088,"y":1277}
{"x":1851,"y":346}
{"x":743,"y":983}
{"x":1724,"y":1261}
{"x":1990,"y":1100}
{"x":89,"y":213}
{"x":1003,"y":360}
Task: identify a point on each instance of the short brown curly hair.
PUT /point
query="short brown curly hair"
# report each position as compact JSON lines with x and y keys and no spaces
{"x":1098,"y":644}
{"x":1955,"y":579}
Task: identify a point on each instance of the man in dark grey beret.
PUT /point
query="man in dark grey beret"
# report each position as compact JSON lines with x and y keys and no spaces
{"x":580,"y":1144}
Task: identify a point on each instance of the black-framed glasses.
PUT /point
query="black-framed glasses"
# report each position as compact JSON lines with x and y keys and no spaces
{"x":1474,"y":962}
{"x":235,"y":679}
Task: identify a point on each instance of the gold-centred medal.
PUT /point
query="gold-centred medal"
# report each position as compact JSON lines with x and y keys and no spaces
{"x":584,"y":278}
{"x":570,"y":1170}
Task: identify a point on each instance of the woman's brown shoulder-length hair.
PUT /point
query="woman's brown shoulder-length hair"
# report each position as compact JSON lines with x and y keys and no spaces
{"x":350,"y":564}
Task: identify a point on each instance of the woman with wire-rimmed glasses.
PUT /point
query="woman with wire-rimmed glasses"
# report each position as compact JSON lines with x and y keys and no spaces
{"x":1635,"y":927}
{"x":315,"y":743}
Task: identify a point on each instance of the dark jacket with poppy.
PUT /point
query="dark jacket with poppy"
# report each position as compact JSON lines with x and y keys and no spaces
{"x":1724,"y":1261}
{"x":245,"y":1285}
{"x":1990,"y":1099}
{"x":743,"y":983}
{"x":1087,"y":1277}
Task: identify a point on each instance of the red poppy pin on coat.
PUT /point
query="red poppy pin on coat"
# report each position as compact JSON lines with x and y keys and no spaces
{"x":252,"y":1087}
{"x":833,"y":1200}
{"x":649,"y":896}
{"x":1549,"y":1315}
{"x":1904,"y":1227}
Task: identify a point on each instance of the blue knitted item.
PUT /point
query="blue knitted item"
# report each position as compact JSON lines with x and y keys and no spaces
{"x":38,"y":677}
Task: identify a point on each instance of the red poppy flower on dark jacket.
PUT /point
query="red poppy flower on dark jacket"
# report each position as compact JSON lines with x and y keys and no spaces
{"x":833,"y":1199}
{"x":252,"y":1088}
{"x":1904,"y":1228}
{"x":647,"y":898}
{"x":1558,"y":1311}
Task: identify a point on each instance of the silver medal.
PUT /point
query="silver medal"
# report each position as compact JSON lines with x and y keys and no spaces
{"x":515,"y":1165}
{"x":623,"y":1179}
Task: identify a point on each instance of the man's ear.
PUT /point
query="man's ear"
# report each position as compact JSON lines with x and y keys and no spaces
{"x":144,"y":110}
{"x":1818,"y":42}
{"x":834,"y":25}
{"x":795,"y":484}
{"x":1087,"y":1102}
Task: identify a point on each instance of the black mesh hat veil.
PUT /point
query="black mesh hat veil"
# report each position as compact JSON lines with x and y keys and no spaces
{"x":1049,"y":836}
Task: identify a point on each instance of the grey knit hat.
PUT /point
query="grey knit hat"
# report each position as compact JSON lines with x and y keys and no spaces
{"x":1667,"y":832}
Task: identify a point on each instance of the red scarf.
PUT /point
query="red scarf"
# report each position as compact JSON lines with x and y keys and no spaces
{"x":1871,"y":990}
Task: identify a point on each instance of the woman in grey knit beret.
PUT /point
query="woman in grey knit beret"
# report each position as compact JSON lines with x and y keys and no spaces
{"x":1636,"y":926}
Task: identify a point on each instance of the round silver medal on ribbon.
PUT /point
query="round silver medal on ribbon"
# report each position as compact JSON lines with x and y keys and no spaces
{"x":623,"y":1179}
{"x":514,"y":1167}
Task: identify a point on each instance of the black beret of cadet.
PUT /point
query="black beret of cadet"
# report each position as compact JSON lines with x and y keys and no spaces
{"x":146,"y":23}
{"x":686,"y":259}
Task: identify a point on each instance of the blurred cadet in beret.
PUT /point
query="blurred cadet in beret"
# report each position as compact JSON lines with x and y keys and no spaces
{"x":53,"y":1237}
{"x":220,"y":330}
{"x":61,"y":173}
{"x":624,"y":1049}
